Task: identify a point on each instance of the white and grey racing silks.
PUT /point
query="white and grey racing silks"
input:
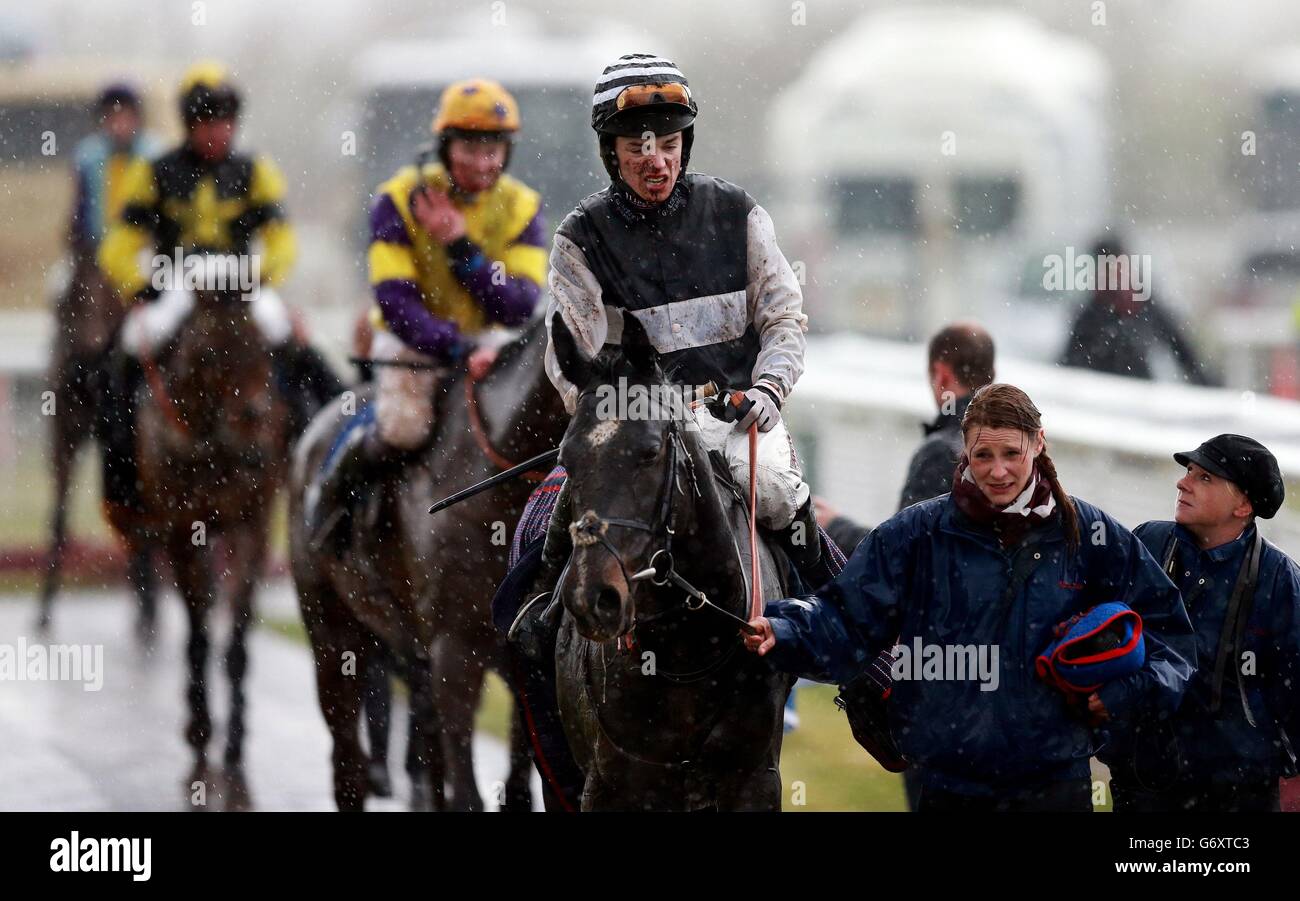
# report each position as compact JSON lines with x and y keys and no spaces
{"x":772,"y":301}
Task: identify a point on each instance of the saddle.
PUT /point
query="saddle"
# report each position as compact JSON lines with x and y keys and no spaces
{"x":361,"y":498}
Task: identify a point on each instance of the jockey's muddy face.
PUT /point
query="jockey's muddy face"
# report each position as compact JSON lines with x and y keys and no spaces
{"x":476,"y":165}
{"x":212,"y":139}
{"x":1002,"y":461}
{"x":650,"y":165}
{"x":1208,"y":501}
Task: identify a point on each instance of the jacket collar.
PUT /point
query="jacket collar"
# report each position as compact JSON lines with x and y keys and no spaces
{"x":946,"y":421}
{"x":953,"y":521}
{"x":631,"y":208}
{"x":1232,"y":550}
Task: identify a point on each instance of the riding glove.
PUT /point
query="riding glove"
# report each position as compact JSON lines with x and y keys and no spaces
{"x":765,"y":409}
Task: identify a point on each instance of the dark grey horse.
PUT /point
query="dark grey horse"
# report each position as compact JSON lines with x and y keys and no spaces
{"x":662,"y":707}
{"x":422,"y":586}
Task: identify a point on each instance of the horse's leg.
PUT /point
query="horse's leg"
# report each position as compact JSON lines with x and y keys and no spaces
{"x":65,"y":440}
{"x":457,"y":682}
{"x":143,"y":579}
{"x":425,"y":758}
{"x":519,"y":795}
{"x":339,"y":686}
{"x":246,"y":555}
{"x":379,"y":697}
{"x":190,"y":566}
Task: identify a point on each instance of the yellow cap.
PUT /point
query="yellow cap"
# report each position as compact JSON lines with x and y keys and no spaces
{"x":208,"y":73}
{"x":477,"y":104}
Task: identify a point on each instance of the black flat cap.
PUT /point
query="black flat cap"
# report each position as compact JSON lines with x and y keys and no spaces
{"x":1246,"y":463}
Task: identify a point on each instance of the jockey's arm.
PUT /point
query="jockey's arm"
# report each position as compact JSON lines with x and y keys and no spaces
{"x":775,"y":308}
{"x":576,"y":297}
{"x":131,"y":233}
{"x":394,"y":279}
{"x":266,"y":210}
{"x":508,"y":288}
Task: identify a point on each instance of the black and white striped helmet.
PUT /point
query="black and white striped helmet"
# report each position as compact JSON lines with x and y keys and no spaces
{"x":642,"y":92}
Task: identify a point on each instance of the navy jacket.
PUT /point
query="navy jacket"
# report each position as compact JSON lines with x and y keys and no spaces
{"x":1226,"y":747}
{"x":931,"y":573}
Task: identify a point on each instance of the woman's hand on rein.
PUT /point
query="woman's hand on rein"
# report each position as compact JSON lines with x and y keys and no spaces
{"x":763,"y":639}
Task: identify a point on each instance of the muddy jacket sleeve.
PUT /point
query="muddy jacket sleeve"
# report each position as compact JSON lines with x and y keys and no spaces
{"x":775,"y":307}
{"x":576,"y":298}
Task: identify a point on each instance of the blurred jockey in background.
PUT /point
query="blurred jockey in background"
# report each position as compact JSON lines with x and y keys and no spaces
{"x":100,"y":163}
{"x":201,"y":198}
{"x":457,"y":254}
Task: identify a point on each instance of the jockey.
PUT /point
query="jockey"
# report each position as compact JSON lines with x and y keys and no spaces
{"x":695,"y":260}
{"x":457,"y":253}
{"x":100,"y":164}
{"x":201,"y":197}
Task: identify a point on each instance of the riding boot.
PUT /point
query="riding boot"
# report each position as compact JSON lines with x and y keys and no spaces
{"x":337,"y":493}
{"x":306,"y":381}
{"x":115,"y":422}
{"x":538,"y":621}
{"x":801,"y":542}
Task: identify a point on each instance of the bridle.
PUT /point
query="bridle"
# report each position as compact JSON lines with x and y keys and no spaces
{"x":592,"y":529}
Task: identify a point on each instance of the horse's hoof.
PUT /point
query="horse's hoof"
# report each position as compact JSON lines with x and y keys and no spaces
{"x":421,"y":796}
{"x":381,"y":786}
{"x":237,"y":796}
{"x":198,"y":788}
{"x":518,"y":802}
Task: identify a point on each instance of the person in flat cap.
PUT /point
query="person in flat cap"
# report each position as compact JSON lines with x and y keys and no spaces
{"x":1230,"y":741}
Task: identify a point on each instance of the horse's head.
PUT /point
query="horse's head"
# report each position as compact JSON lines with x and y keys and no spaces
{"x":221,"y":375}
{"x":628,"y":453}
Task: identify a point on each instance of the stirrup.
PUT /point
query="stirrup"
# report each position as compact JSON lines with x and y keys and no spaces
{"x":532,"y":625}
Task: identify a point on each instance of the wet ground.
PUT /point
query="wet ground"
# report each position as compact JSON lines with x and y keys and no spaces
{"x":121,"y":747}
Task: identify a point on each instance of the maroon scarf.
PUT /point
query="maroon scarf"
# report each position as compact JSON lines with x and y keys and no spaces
{"x":1031,"y":509}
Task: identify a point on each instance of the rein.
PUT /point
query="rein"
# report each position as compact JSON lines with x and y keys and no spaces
{"x":481,"y":437}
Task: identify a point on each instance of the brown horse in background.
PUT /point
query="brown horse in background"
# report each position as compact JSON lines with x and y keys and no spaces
{"x":85,"y":316}
{"x":213,"y":445}
{"x":422,"y":586}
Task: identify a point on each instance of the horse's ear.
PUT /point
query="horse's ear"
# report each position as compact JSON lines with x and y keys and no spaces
{"x":636,"y":344}
{"x":573,"y":365}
